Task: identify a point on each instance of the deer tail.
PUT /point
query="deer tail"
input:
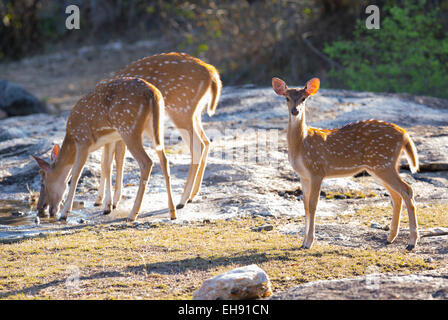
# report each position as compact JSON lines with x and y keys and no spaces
{"x":411,"y":154}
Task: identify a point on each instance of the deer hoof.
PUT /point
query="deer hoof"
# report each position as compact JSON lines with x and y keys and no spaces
{"x":105,"y":212}
{"x":180,"y":206}
{"x":410,"y":247}
{"x":97,"y":204}
{"x":131,"y":219}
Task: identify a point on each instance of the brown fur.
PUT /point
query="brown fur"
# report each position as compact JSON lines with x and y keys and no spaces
{"x":120,"y":109}
{"x":370,"y":145}
{"x":183,"y":81}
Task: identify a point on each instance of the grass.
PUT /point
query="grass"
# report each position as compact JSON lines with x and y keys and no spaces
{"x":170,"y":261}
{"x":428,"y":215}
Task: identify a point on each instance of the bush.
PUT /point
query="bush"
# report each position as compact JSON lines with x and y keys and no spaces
{"x":249,"y":41}
{"x":409,"y":53}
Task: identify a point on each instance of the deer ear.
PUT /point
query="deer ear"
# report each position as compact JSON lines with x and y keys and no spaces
{"x":54,"y":153}
{"x":44,"y":165}
{"x":279,"y":86}
{"x":312,"y":86}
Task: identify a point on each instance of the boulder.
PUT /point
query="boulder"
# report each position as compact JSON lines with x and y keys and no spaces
{"x":249,"y":282}
{"x":16,"y":101}
{"x":8,"y":133}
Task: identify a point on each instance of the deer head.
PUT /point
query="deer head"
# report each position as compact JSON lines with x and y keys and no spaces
{"x":295,"y":98}
{"x":51,"y":188}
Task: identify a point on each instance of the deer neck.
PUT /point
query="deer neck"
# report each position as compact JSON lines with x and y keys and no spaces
{"x":65,"y":160}
{"x":297,"y":130}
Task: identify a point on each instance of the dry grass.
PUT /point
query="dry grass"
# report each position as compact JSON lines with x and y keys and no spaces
{"x":170,"y":261}
{"x":428,"y":215}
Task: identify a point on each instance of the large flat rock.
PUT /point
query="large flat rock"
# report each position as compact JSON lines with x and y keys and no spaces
{"x":248,"y":169}
{"x":428,"y":286}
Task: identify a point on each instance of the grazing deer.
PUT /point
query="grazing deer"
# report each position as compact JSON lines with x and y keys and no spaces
{"x":372,"y":145}
{"x":122,"y":109}
{"x":187,"y":85}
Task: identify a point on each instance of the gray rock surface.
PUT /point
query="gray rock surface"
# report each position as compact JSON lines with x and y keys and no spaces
{"x":425,"y":286}
{"x":238,"y":181}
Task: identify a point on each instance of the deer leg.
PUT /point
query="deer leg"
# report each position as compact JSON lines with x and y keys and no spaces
{"x":193,"y":139}
{"x":397,"y":204}
{"x":99,"y":198}
{"x":80,"y":159}
{"x":306,"y":195}
{"x":200,"y":175}
{"x":120,"y":150}
{"x":392,"y":179}
{"x":135,"y":146}
{"x":108,"y":154}
{"x":164,"y":164}
{"x":313,"y":191}
{"x":157,"y":141}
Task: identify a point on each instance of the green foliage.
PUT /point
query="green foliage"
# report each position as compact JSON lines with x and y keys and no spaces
{"x":249,"y":41}
{"x":409,"y":53}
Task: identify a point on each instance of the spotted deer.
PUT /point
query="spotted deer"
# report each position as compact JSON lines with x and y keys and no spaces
{"x":372,"y":145}
{"x":121,"y":110}
{"x":187,"y":85}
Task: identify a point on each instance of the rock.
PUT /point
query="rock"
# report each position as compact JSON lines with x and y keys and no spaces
{"x":263,"y":213}
{"x":3,"y":114}
{"x":375,"y":225}
{"x":18,"y":214}
{"x":8,"y":133}
{"x":434,"y":232}
{"x":249,"y":282}
{"x":265,"y":227}
{"x":378,"y":286}
{"x":16,"y":101}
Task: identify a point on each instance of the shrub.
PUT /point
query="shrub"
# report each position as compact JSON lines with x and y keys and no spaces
{"x":409,"y":53}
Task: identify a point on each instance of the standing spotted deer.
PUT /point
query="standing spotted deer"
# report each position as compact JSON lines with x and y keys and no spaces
{"x":121,"y":110}
{"x":372,"y":145}
{"x":187,"y":85}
